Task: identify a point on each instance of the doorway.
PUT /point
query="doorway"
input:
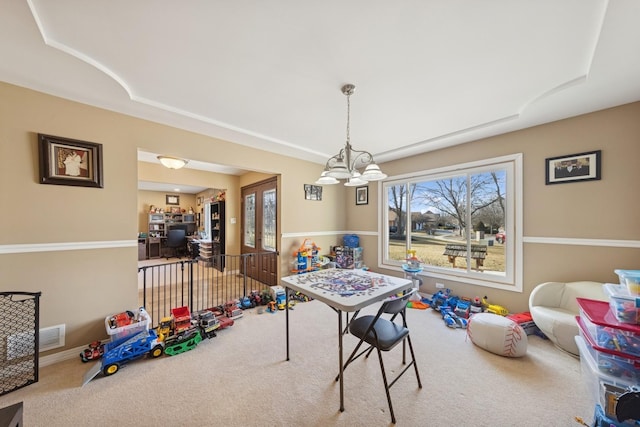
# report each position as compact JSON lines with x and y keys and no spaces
{"x":259,"y":232}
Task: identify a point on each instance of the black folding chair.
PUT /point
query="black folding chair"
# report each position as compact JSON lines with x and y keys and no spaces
{"x":383,"y":335}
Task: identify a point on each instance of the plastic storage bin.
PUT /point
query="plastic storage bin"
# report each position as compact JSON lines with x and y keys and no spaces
{"x":606,"y":330}
{"x":139,"y":324}
{"x":351,"y":241}
{"x":630,"y":279}
{"x":601,"y":420}
{"x":603,"y":388}
{"x":624,"y":305}
{"x":347,"y":257}
{"x":611,"y":362}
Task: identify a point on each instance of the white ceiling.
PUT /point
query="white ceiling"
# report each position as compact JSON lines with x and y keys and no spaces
{"x":145,"y":156}
{"x":428,"y":74}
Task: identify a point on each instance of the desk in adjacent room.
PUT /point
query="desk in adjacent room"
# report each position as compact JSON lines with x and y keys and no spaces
{"x":343,"y":290}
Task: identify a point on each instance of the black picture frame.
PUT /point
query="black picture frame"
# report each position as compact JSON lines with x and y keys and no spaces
{"x":65,"y":161}
{"x":173,"y":199}
{"x":312,"y":192}
{"x":362,"y":195}
{"x":573,"y":168}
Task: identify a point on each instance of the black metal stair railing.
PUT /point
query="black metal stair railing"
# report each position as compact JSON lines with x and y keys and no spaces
{"x":198,"y":285}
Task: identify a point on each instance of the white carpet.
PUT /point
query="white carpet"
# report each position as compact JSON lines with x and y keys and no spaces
{"x":241,"y":378}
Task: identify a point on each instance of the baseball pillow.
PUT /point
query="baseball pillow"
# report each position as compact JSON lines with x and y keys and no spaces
{"x":497,"y":334}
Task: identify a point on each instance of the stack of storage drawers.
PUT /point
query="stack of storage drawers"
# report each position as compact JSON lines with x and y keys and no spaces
{"x":347,"y":257}
{"x":609,"y":344}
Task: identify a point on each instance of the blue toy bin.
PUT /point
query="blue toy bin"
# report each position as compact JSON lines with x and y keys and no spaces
{"x":351,"y":241}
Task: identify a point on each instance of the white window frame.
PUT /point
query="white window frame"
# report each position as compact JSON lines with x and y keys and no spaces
{"x":512,"y":279}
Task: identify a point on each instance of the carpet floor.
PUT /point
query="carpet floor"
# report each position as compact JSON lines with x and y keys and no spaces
{"x":241,"y":378}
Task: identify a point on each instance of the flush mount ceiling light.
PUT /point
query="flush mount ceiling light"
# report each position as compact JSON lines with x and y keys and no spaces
{"x":172,"y":162}
{"x":346,"y":164}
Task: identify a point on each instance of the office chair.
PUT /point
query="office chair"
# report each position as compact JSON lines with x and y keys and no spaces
{"x":383,"y":335}
{"x":176,"y":239}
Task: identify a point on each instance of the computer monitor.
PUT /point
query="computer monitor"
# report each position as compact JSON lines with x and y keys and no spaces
{"x":189,"y":228}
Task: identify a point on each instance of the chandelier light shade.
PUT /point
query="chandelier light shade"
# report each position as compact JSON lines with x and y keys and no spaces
{"x":326,"y":180}
{"x":172,"y":162}
{"x":348,"y":162}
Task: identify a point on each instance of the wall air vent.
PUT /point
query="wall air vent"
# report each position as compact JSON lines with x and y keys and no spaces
{"x":52,"y":337}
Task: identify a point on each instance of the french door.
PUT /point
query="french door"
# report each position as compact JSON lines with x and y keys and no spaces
{"x":259,"y":230}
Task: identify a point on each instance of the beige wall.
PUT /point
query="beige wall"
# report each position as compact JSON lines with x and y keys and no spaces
{"x":77,"y":245}
{"x":594,"y":212}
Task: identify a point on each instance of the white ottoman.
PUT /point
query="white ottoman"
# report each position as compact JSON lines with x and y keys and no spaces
{"x":497,"y":334}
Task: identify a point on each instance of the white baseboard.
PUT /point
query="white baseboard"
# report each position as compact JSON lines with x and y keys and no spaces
{"x":61,"y":356}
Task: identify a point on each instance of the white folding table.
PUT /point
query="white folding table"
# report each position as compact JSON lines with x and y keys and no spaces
{"x":343,"y":291}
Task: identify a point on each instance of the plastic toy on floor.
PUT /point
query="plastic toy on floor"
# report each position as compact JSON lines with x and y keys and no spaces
{"x":418,"y":305}
{"x":439,"y":299}
{"x":476,"y":306}
{"x":271,"y":307}
{"x":494,"y":308}
{"x":306,"y":258}
{"x":462,"y":308}
{"x":451,"y":319}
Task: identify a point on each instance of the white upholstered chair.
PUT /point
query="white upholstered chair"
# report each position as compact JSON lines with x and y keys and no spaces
{"x":554,"y":307}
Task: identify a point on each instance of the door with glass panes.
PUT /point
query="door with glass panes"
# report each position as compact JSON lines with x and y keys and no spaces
{"x":259,"y":230}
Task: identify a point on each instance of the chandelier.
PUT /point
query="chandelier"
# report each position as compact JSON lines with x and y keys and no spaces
{"x":348,"y":162}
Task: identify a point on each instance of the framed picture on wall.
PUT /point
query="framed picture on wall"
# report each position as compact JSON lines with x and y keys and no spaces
{"x":573,"y":167}
{"x":173,"y":199}
{"x":65,"y":161}
{"x":312,"y":192}
{"x":362,"y":195}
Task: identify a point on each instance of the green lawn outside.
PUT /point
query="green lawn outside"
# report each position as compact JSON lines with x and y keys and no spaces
{"x":430,"y":251}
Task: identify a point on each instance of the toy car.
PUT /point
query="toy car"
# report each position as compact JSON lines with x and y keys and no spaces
{"x":121,"y":319}
{"x":225,"y":322}
{"x":93,"y":352}
{"x":501,"y":237}
{"x":256,"y":298}
{"x":245,"y":302}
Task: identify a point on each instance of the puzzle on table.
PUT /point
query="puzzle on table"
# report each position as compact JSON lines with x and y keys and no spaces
{"x":342,"y":282}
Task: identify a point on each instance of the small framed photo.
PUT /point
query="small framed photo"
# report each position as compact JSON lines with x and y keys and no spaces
{"x":173,"y":199}
{"x":312,"y":192}
{"x":65,"y":161}
{"x":362,"y":195}
{"x":573,"y":167}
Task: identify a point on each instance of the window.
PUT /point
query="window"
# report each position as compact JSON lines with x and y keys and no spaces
{"x":463,"y":221}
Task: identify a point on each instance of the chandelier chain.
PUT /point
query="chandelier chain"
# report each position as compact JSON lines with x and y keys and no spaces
{"x":348,"y":118}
